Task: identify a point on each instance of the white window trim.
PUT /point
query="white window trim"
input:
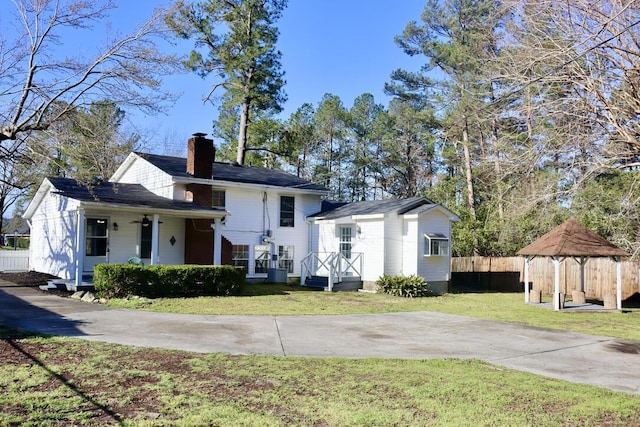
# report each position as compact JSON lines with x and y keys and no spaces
{"x":437,"y":237}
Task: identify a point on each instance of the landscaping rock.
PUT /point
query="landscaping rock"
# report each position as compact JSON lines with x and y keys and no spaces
{"x":88,"y":297}
{"x":77,"y":295}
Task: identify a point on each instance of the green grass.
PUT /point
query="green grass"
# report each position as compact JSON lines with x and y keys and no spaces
{"x":59,"y":382}
{"x":282,"y":300}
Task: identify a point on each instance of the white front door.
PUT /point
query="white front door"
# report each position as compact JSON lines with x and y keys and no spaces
{"x":96,"y":243}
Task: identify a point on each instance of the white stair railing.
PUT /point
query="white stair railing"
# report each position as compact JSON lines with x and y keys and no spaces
{"x":332,"y":265}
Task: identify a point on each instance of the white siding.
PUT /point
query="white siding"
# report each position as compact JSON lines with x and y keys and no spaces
{"x":371,"y":242}
{"x":125,"y":242}
{"x":250,"y":217}
{"x":434,"y":268}
{"x":393,"y":256}
{"x":410,"y":247}
{"x":153,"y":179}
{"x":53,"y":234}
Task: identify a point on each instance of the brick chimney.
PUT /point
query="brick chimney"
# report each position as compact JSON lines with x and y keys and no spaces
{"x":198,"y":247}
{"x":200,"y":153}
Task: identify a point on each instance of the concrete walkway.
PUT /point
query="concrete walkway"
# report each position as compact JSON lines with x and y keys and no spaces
{"x":588,"y":359}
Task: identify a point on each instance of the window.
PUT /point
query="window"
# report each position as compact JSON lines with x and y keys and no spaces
{"x":262,"y":256}
{"x":287,"y":211}
{"x":285,"y":258}
{"x":345,"y":241}
{"x":146,"y":231}
{"x":240,"y":256}
{"x":96,"y":237}
{"x":218,"y":198}
{"x":436,"y":245}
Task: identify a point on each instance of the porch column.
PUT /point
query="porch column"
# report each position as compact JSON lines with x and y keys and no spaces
{"x":154,"y":239}
{"x":556,"y":283}
{"x":217,"y":241}
{"x":80,"y":247}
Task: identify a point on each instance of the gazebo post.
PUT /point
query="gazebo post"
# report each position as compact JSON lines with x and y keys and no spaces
{"x":556,"y":283}
{"x":526,"y":280}
{"x":527,"y":260}
{"x":582,"y":262}
{"x":618,"y":283}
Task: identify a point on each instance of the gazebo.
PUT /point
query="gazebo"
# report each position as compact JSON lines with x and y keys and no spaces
{"x":571,"y":239}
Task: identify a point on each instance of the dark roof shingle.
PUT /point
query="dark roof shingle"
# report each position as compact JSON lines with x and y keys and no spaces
{"x":121,"y":194}
{"x":572,"y":239}
{"x":334,"y":210}
{"x":177,"y":167}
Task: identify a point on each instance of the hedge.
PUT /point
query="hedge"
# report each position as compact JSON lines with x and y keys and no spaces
{"x":123,"y":280}
{"x":404,"y":286}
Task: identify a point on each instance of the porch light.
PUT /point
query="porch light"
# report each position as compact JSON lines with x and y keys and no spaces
{"x":145,"y":221}
{"x":115,"y":226}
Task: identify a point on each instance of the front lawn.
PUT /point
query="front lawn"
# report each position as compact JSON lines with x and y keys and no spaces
{"x":282,"y":300}
{"x":65,"y":381}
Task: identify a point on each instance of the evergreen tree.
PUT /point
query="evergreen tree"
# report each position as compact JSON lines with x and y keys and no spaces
{"x":238,"y":38}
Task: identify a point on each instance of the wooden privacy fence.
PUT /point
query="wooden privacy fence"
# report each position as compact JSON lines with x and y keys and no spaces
{"x":600,"y":275}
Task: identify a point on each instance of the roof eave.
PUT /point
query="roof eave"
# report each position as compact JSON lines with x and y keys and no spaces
{"x":183,"y":213}
{"x":124,"y":166}
{"x":45,"y":187}
{"x":232,"y":184}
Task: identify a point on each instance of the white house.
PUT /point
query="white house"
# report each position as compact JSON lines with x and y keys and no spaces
{"x":171,"y":210}
{"x":392,"y":237}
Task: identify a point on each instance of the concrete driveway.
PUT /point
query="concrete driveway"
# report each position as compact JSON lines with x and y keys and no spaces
{"x":601,"y":361}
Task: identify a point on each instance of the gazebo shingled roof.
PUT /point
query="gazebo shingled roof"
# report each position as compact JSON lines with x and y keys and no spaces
{"x":571,"y":239}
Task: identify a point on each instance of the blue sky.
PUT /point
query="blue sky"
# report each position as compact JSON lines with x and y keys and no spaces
{"x":343,"y":47}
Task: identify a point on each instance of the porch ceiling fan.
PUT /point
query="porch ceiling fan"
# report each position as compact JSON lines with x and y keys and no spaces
{"x":145,"y":221}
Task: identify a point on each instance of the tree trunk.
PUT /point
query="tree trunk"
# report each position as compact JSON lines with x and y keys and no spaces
{"x":242,"y":134}
{"x":467,"y":172}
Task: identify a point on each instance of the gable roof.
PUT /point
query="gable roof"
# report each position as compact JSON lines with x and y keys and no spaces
{"x":233,"y":173}
{"x":572,"y":239}
{"x":109,"y":194}
{"x":335,"y":210}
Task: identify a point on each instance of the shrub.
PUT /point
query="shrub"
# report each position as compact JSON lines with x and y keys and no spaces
{"x":404,"y":286}
{"x":123,"y":280}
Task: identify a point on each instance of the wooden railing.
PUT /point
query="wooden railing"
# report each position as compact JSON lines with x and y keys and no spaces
{"x":332,"y":265}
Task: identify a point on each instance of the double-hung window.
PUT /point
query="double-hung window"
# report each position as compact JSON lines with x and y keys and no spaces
{"x":261,"y":257}
{"x":287,"y":211}
{"x":346,"y":234}
{"x":436,"y":244}
{"x":285,"y":258}
{"x":240,"y":256}
{"x":218,"y":198}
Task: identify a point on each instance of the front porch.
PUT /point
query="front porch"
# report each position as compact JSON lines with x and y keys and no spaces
{"x":332,"y":271}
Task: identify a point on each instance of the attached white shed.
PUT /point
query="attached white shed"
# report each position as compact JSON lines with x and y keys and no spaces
{"x":383,"y":237}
